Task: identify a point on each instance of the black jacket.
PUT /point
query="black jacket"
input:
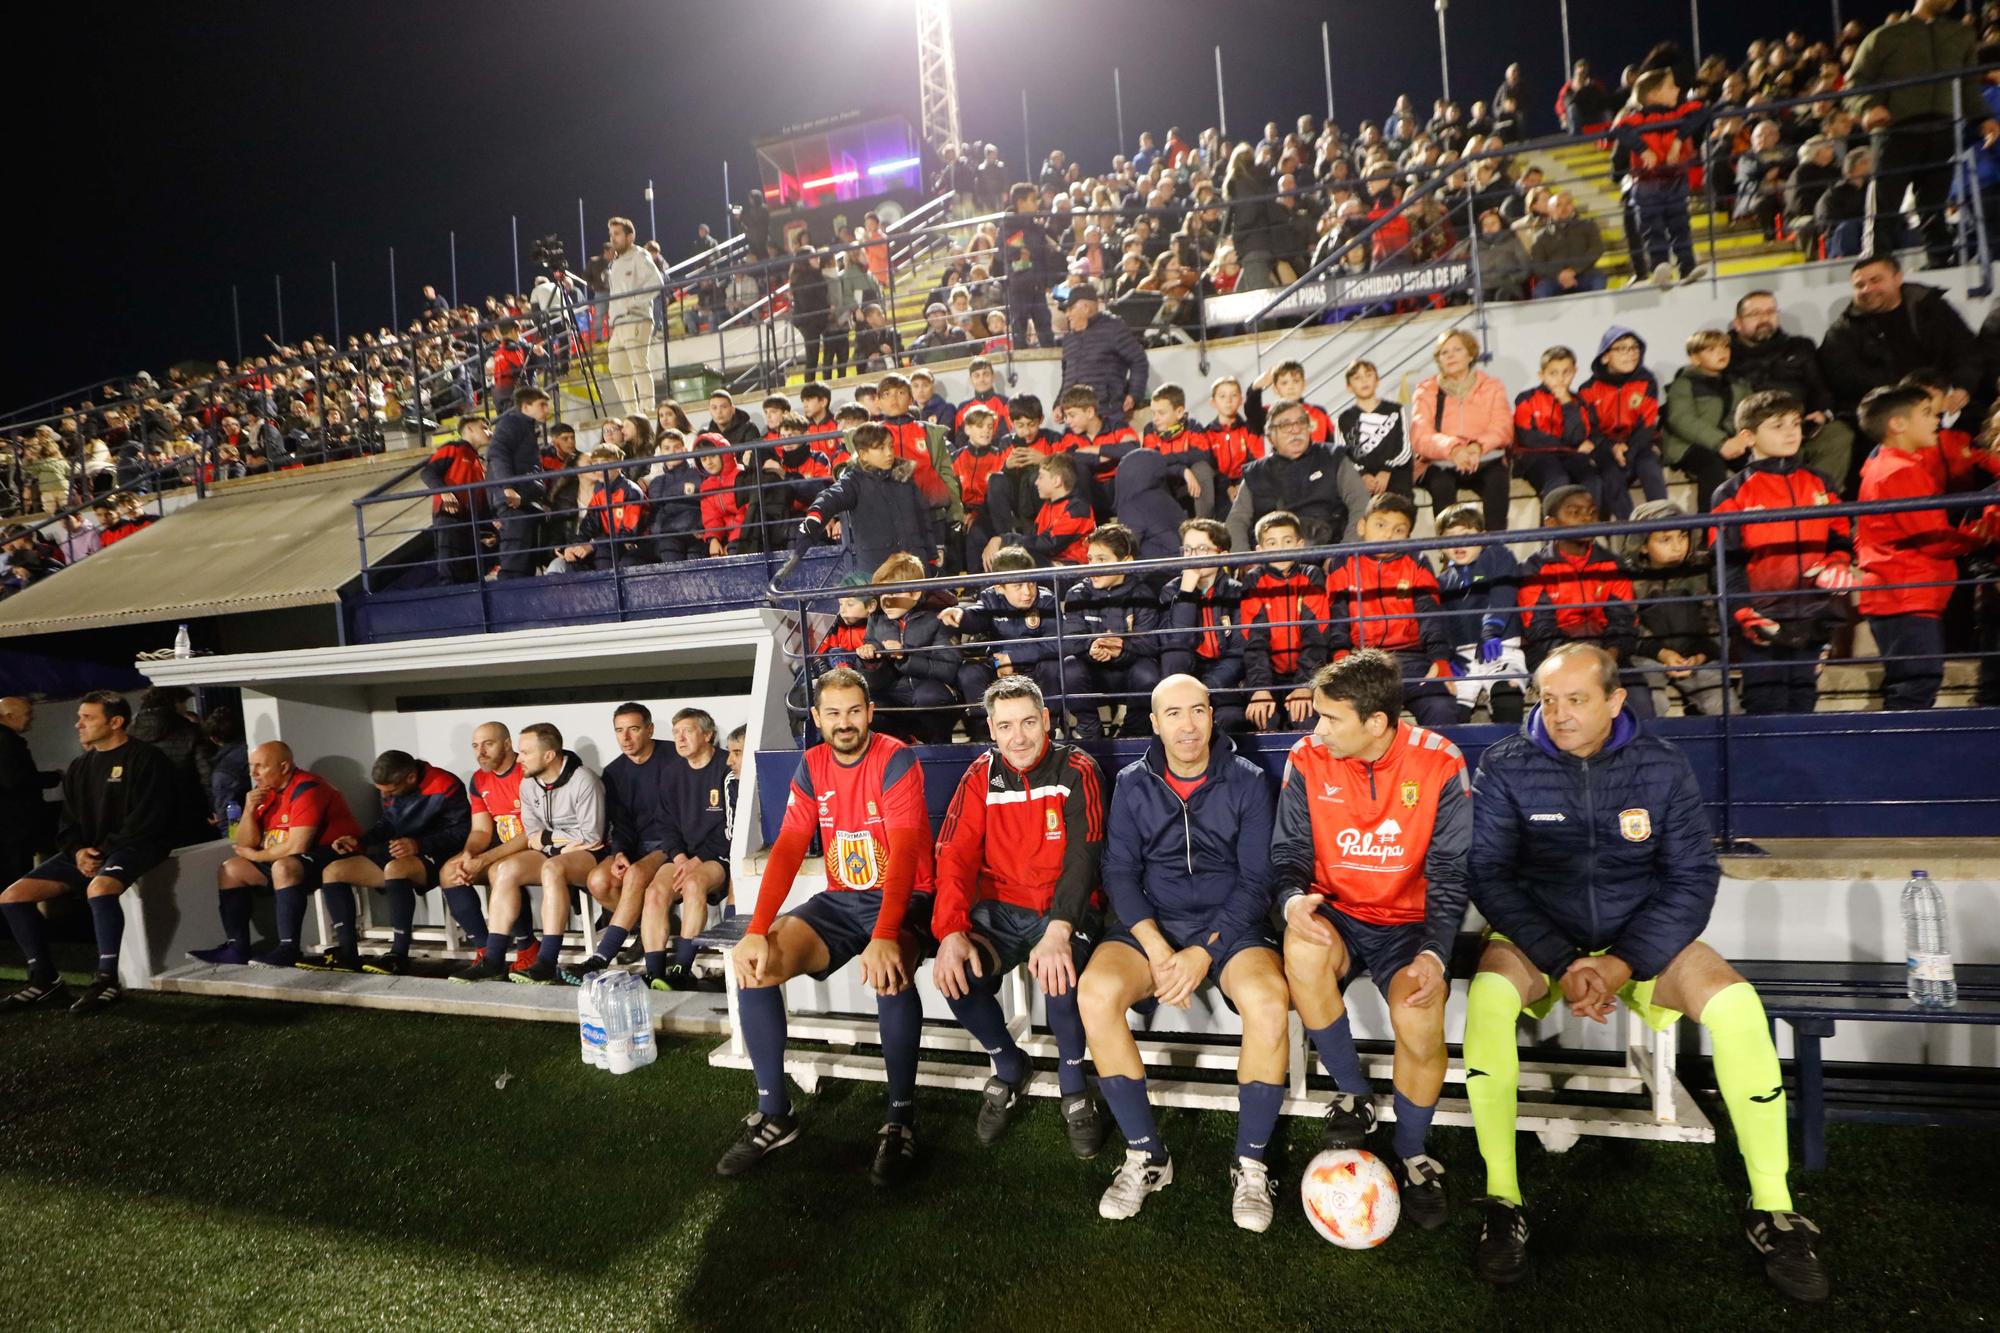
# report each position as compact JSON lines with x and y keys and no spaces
{"x":1107,"y":356}
{"x":1783,"y":361}
{"x":515,"y":456}
{"x":24,"y":815}
{"x":125,"y":797}
{"x":1863,"y":351}
{"x":881,"y":514}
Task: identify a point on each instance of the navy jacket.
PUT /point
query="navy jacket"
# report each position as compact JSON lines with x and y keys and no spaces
{"x":1480,"y":598}
{"x":1144,"y":501}
{"x":1199,"y":868}
{"x":674,"y":498}
{"x":1107,"y":356}
{"x":1131,"y":611}
{"x":635,"y":803}
{"x":1027,"y":637}
{"x":436,"y":814}
{"x":515,"y":456}
{"x":1571,"y":856}
{"x":880,"y":513}
{"x":697,"y":803}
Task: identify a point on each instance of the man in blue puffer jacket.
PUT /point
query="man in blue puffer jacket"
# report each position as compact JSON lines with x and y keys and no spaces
{"x":1187,"y":866}
{"x":1592,"y":860}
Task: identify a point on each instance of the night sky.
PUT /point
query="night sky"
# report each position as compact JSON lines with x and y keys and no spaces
{"x":163,"y":154}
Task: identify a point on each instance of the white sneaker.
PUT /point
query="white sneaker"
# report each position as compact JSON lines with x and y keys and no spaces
{"x":1663,"y":275}
{"x":1252,"y":1202}
{"x":1137,"y":1178}
{"x":1695,"y":274}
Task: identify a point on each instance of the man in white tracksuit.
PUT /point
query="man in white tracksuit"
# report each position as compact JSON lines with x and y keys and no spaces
{"x":635,"y":354}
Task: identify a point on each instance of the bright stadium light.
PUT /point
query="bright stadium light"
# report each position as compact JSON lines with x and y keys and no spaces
{"x":891,"y":168}
{"x":838,"y":178}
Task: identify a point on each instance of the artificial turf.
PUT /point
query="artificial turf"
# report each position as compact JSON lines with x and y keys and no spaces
{"x":185,"y":1162}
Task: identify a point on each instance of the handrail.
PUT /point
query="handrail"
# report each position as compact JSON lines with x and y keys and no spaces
{"x":769,"y":298}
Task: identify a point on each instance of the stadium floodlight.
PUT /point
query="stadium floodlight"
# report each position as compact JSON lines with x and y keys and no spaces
{"x":937,"y":74}
{"x":837,"y":178}
{"x":891,"y":168}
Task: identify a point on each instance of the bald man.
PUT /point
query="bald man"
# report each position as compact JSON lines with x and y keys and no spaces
{"x":24,"y":815}
{"x":291,"y":820}
{"x":494,"y":791}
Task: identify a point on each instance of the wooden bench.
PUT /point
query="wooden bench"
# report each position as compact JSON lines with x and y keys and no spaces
{"x":1814,"y":998}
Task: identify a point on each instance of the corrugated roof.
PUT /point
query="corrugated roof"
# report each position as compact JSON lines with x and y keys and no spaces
{"x":279,"y":543}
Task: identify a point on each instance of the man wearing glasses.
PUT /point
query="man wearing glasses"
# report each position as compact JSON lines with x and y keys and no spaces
{"x":1322,"y":487}
{"x":1204,"y":612}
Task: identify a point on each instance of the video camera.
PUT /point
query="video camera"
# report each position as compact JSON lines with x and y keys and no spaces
{"x":548,"y":253}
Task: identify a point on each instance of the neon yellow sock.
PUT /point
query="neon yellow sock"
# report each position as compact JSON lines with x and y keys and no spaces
{"x":1746,"y":1070}
{"x":1493,"y":1076}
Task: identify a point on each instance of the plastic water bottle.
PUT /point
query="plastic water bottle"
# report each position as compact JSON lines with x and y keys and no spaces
{"x":1926,"y":944}
{"x":617,"y":1025}
{"x":183,"y":646}
{"x":590,"y":1021}
{"x":232,"y":815}
{"x":644,"y":1049}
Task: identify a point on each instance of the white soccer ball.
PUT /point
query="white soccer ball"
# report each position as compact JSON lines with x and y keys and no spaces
{"x":1350,"y":1198}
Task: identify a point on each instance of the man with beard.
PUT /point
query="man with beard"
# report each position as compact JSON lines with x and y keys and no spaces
{"x":1765,"y":357}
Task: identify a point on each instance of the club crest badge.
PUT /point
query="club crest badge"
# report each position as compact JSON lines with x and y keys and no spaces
{"x":1410,"y":793}
{"x":855,"y":854}
{"x":1635,"y":825}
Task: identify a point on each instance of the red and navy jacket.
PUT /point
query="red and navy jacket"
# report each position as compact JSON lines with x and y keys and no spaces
{"x":1062,"y":531}
{"x":436,"y":813}
{"x":829,"y":441}
{"x":1770,"y":566}
{"x":912,"y":440}
{"x":1544,"y":424}
{"x":1026,"y":637}
{"x":1033,"y":838}
{"x":1673,"y":134}
{"x":992,"y":400}
{"x":1387,"y":602}
{"x":1182,"y":439}
{"x":836,"y":647}
{"x":454,"y":464}
{"x":508,"y":359}
{"x":1112,"y":443}
{"x":1624,"y":408}
{"x":974,"y":465}
{"x":1275,"y":652}
{"x":1233,"y":445}
{"x":1585,"y":598}
{"x":1205,"y":622}
{"x":616,"y":509}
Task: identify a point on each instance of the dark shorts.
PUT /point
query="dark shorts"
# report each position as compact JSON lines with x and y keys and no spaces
{"x":1380,"y":951}
{"x":433,"y":868}
{"x":314,"y":859}
{"x":1180,"y":934}
{"x":124,"y":864}
{"x":845,"y":922}
{"x":1009,"y":933}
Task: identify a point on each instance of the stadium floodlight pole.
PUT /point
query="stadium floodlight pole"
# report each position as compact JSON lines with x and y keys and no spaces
{"x":1569,"y":62}
{"x":1118,"y":100}
{"x":1221,"y":116}
{"x":728,"y":205}
{"x":1836,"y":20}
{"x":1027,"y":153}
{"x":1694,"y":20}
{"x":395,"y":320}
{"x":333,"y":266}
{"x":514,"y":227}
{"x":236,"y":318}
{"x":652,"y":218}
{"x":1326,"y":62}
{"x":1444,"y":57}
{"x":454,"y":268}
{"x":278,"y":284}
{"x":582,"y":236}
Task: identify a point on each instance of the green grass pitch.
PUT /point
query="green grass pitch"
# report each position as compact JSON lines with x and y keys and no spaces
{"x":187,"y":1163}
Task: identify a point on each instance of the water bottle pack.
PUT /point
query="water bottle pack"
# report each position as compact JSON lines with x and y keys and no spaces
{"x":1927,"y":944}
{"x":615,"y":1022}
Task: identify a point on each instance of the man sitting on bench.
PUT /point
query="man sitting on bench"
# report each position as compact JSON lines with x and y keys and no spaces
{"x":424,"y":820}
{"x":1592,"y":859}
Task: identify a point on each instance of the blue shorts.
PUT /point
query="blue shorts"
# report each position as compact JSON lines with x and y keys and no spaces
{"x":124,"y":864}
{"x":844,"y":920}
{"x":1181,"y":934}
{"x":1009,"y":933}
{"x":1380,"y":951}
{"x":432,"y":866}
{"x":314,"y":859}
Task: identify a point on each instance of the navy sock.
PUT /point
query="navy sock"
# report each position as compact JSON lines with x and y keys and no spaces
{"x":551,"y":949}
{"x":524,"y":929}
{"x":1257,"y":1117}
{"x":107,"y":922}
{"x":1335,"y":1045}
{"x":684,"y":952}
{"x":1066,"y":1021}
{"x":1413,"y":1123}
{"x":496,"y":945}
{"x":656,"y":962}
{"x":402,"y":895}
{"x":233,"y":905}
{"x":762,"y":1012}
{"x":611,"y":941}
{"x":26,"y":923}
{"x":339,"y":900}
{"x":291,"y":916}
{"x":979,"y":1014}
{"x":463,"y":904}
{"x":1127,"y":1099}
{"x":900,"y":1018}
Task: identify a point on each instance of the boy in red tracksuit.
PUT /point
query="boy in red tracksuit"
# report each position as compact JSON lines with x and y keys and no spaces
{"x":974,"y":463}
{"x":1233,"y":443}
{"x":1391,"y":602}
{"x":1170,"y":432}
{"x":1899,"y":552}
{"x":1662,"y":135}
{"x":1287,"y":380}
{"x":1576,"y":591}
{"x":721,"y":510}
{"x":455,"y":513}
{"x":1555,"y":436}
{"x":1095,"y":446}
{"x":1284,"y":623}
{"x":1063,"y":524}
{"x":1787,"y":578}
{"x":1624,"y":402}
{"x":979,"y":374}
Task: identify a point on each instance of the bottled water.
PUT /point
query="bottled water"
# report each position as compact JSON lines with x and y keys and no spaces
{"x":1926,"y":944}
{"x":590,"y":1020}
{"x":232,"y":815}
{"x":183,"y":646}
{"x":644,"y":1049}
{"x":617,"y":1023}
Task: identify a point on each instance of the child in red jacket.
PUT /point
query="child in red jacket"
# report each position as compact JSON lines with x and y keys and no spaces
{"x":1788,"y":578}
{"x":721,"y":510}
{"x":1390,"y":602}
{"x":1909,"y":561}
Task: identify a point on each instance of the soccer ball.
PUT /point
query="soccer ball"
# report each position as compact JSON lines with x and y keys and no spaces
{"x":1350,"y":1198}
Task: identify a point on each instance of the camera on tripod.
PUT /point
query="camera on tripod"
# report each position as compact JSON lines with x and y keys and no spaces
{"x":548,"y":253}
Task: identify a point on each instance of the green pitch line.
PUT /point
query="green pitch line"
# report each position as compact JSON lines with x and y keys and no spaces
{"x":187,"y":1162}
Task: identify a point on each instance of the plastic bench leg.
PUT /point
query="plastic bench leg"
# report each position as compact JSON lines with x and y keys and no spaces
{"x":1807,"y":1033}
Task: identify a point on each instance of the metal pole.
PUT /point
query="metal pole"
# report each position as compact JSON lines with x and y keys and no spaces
{"x":514,"y":227}
{"x":236,"y":318}
{"x":1221,"y":115}
{"x":1569,"y":62}
{"x":728,"y":205}
{"x":1694,"y":19}
{"x":1326,"y":62}
{"x":454,"y":268}
{"x":652,"y":218}
{"x":1118,"y":99}
{"x":1027,"y":151}
{"x":1444,"y":58}
{"x":395,"y":319}
{"x":333,"y":266}
{"x":582,"y":237}
{"x":1836,"y":24}
{"x":278,"y":282}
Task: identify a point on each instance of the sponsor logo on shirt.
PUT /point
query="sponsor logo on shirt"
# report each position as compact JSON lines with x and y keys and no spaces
{"x":1545,"y":819}
{"x":1383,"y":843}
